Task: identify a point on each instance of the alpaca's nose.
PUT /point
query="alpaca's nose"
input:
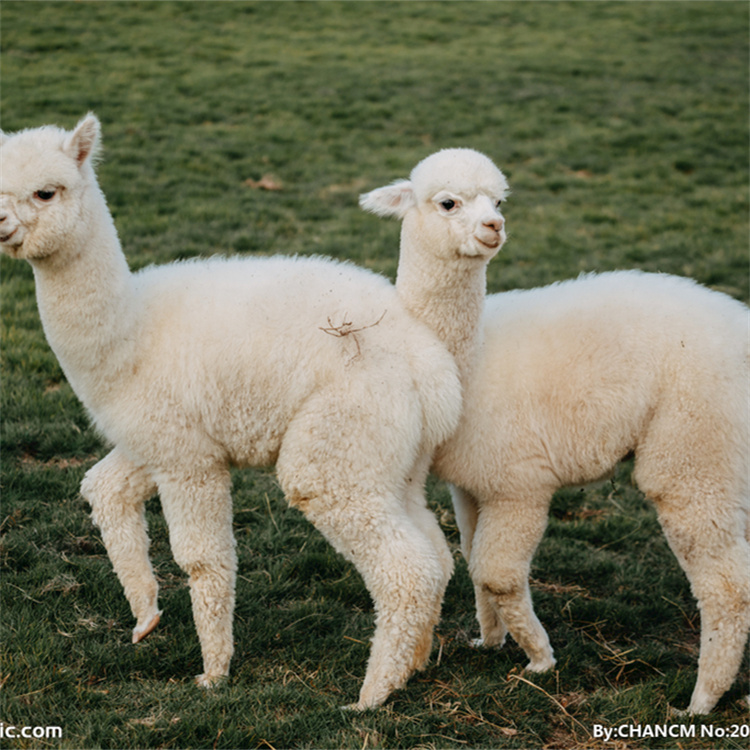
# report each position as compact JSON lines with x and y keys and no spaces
{"x":496,"y":223}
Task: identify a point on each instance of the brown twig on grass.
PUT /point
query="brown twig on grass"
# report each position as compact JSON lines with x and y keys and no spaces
{"x":616,"y":656}
{"x":551,"y":697}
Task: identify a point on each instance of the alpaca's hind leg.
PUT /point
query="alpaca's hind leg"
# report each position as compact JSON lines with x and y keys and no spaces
{"x":351,"y":461}
{"x":716,"y":561}
{"x":407,"y":583}
{"x":403,"y":573}
{"x":492,"y":629}
{"x":507,"y":535}
{"x":198,"y":509}
{"x":117,"y":491}
{"x":424,"y":519}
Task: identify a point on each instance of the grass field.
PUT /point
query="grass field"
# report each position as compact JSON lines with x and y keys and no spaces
{"x":623,"y":129}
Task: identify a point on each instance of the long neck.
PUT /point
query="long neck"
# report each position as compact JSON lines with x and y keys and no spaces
{"x":85,"y":295}
{"x":447,"y":295}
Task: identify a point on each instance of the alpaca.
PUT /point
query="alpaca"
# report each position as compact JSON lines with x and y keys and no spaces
{"x":193,"y":367}
{"x":571,"y":378}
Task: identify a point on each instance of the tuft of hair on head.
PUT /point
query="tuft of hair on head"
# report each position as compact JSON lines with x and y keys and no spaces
{"x":392,"y":200}
{"x":84,"y":142}
{"x":461,"y":169}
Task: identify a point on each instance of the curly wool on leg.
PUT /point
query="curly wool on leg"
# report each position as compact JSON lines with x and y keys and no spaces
{"x":117,"y":490}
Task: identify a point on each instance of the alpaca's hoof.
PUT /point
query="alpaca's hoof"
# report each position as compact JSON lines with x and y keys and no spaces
{"x":541,"y":665}
{"x":487,"y":642}
{"x":370,"y":699}
{"x":702,"y":701}
{"x":209,"y":681}
{"x":142,"y":631}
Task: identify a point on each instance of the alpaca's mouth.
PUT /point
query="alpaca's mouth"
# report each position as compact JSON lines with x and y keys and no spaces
{"x":484,"y":248}
{"x":5,"y":237}
{"x":489,"y":242}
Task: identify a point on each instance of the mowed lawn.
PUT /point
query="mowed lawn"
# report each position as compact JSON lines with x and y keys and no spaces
{"x":623,"y":130}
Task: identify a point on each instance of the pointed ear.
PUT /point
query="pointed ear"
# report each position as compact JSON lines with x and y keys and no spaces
{"x":391,"y":200}
{"x":83,"y":142}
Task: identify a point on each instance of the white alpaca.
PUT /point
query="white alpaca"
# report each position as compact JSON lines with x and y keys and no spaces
{"x":563,"y":382}
{"x":570,"y":379}
{"x":192,"y":367}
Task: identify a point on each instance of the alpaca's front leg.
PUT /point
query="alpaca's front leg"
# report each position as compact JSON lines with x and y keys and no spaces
{"x":507,"y":535}
{"x":198,"y":509}
{"x":117,"y":490}
{"x":492,"y":628}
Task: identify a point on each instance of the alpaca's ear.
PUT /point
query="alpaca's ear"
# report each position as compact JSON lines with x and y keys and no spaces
{"x":83,"y":142}
{"x":391,"y":200}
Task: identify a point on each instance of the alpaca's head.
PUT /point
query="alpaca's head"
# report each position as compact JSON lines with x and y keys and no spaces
{"x":46,"y":179}
{"x":450,"y":205}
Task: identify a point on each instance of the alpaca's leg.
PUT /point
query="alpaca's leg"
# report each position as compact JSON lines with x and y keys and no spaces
{"x":404,"y":575}
{"x":492,"y":627}
{"x":198,"y":509}
{"x":507,"y":535}
{"x":424,"y":519}
{"x":117,"y":491}
{"x":466,"y":508}
{"x":716,"y":559}
{"x":407,"y":584}
{"x":346,"y":462}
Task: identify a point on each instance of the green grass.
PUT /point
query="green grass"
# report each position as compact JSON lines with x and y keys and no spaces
{"x":623,"y":130}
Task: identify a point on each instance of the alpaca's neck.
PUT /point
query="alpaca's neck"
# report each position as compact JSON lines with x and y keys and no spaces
{"x":448,"y":297}
{"x":85,"y":298}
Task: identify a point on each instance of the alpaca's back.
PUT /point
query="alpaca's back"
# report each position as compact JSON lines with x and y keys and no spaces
{"x":578,"y":367}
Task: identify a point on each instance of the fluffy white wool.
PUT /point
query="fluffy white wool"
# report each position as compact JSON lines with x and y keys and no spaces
{"x":190,"y":368}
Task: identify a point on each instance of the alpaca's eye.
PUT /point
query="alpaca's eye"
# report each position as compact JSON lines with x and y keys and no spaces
{"x":45,"y":195}
{"x":448,"y":204}
{"x":499,"y":204}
